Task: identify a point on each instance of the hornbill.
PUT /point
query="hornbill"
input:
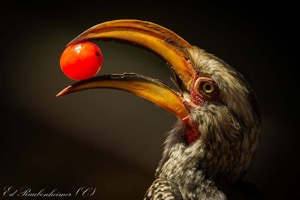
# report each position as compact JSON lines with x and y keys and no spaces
{"x":218,"y":128}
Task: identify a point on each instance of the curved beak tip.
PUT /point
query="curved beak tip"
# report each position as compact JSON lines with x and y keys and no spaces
{"x":64,"y":91}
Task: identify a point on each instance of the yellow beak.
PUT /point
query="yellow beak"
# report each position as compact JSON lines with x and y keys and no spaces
{"x":162,"y":41}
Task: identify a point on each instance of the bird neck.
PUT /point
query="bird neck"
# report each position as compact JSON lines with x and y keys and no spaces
{"x":182,"y":169}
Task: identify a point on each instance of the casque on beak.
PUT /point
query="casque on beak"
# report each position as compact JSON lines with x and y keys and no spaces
{"x":162,"y":41}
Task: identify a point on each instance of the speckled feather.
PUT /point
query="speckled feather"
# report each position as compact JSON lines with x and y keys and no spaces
{"x":162,"y":189}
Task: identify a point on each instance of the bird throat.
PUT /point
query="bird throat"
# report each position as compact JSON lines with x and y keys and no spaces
{"x":191,"y":133}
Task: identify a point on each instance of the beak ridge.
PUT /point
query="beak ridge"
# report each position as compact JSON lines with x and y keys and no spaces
{"x":161,"y":40}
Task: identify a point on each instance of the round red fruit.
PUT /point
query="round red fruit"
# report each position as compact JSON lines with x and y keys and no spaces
{"x":81,"y":61}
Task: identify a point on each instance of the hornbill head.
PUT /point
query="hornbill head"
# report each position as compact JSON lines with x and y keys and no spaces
{"x":218,"y":124}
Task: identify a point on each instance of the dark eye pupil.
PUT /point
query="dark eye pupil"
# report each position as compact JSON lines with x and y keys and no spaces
{"x":208,"y":87}
{"x":97,"y":54}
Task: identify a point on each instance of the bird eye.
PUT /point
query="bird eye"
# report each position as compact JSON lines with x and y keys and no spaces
{"x":208,"y":87}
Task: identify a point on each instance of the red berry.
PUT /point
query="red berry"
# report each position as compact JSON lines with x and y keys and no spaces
{"x":81,"y":61}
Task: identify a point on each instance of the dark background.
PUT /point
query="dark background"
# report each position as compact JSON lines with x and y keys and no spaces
{"x":113,"y":140}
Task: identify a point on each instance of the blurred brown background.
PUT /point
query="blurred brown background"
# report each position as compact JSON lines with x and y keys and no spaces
{"x":112,"y":140}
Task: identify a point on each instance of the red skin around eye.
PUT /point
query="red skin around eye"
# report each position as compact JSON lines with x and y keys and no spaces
{"x":81,"y":61}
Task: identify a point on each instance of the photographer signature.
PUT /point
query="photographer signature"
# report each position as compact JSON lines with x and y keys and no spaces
{"x":11,"y":191}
